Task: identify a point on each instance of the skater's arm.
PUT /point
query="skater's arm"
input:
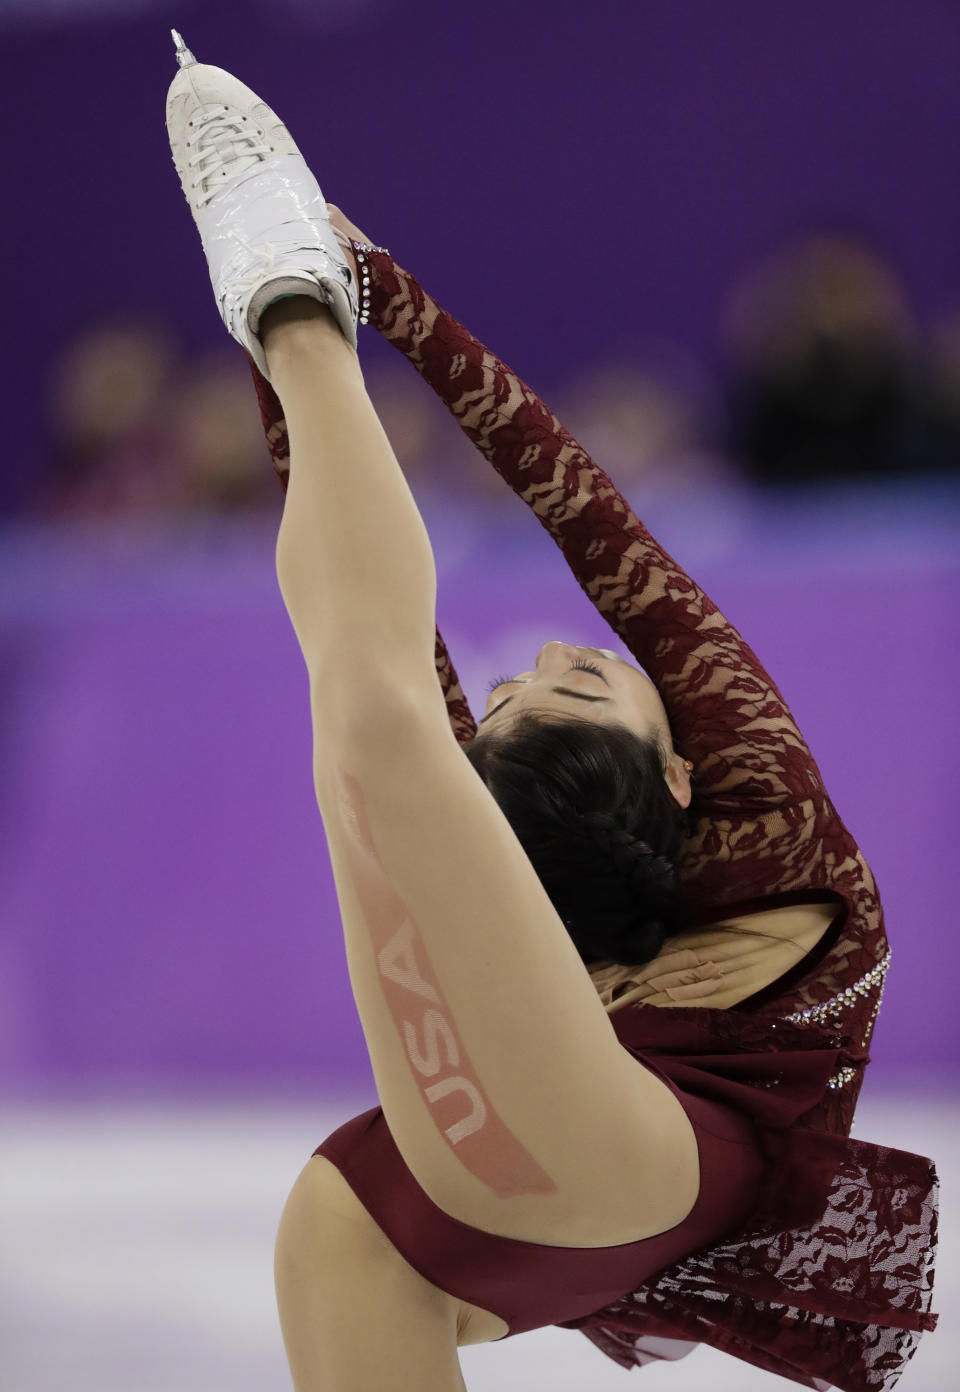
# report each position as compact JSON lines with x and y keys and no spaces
{"x":725,"y":711}
{"x":765,"y":823}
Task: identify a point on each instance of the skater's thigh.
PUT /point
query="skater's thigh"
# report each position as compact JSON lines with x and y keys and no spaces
{"x":501,"y":1078}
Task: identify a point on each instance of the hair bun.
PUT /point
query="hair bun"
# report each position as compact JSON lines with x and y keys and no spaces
{"x":634,"y":859}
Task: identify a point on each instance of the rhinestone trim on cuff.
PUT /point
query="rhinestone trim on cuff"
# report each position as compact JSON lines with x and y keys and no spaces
{"x":361,"y":249}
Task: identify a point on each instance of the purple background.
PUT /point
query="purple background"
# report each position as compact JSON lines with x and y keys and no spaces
{"x":569,"y":180}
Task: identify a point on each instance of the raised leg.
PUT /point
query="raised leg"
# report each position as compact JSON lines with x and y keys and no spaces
{"x":499,"y":1073}
{"x":353,"y":555}
{"x":278,"y":442}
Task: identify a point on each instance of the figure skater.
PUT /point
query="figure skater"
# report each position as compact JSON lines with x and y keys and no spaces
{"x":617,"y":1019}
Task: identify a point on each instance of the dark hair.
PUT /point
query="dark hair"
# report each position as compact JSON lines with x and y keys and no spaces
{"x":590,"y":806}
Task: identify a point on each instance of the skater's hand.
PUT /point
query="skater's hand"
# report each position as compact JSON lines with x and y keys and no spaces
{"x":345,"y":229}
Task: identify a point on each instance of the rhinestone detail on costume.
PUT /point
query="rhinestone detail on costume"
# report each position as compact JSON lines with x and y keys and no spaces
{"x":817,"y":1014}
{"x":845,"y":1075}
{"x":828,"y":1011}
{"x":361,"y":249}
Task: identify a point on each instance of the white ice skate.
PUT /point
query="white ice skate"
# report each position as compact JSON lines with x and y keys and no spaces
{"x":261,"y":216}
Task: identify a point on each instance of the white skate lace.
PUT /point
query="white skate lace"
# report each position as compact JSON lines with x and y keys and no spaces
{"x":211,"y":125}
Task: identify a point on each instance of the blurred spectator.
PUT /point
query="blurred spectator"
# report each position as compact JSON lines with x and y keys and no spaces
{"x":408,"y":412}
{"x":215,"y":438}
{"x":828,"y":377}
{"x":652,"y":423}
{"x":944,"y":391}
{"x":136,"y":430}
{"x":433,"y":452}
{"x":828,"y":380}
{"x":108,"y":449}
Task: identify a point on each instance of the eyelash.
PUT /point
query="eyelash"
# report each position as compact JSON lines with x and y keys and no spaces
{"x":578,"y":665}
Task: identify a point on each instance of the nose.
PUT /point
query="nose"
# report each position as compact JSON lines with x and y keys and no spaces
{"x":556,"y":652}
{"x":567,"y":651}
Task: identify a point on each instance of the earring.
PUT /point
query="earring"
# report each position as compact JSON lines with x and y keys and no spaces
{"x":688,"y":765}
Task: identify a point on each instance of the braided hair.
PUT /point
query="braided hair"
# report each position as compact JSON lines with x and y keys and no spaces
{"x":590,"y":805}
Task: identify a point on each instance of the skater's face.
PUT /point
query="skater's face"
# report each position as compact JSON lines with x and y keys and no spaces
{"x":615,"y":691}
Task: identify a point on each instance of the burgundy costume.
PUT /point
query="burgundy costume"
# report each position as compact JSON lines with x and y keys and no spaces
{"x":808,"y":1254}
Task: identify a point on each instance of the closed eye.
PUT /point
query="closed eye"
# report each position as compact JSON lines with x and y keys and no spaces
{"x":578,"y":666}
{"x":499,"y":681}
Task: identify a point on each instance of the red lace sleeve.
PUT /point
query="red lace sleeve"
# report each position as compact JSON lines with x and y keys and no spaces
{"x":762,"y":811}
{"x":725,"y":711}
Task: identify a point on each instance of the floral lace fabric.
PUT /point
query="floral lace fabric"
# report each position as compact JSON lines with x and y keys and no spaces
{"x":829,"y":1282}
